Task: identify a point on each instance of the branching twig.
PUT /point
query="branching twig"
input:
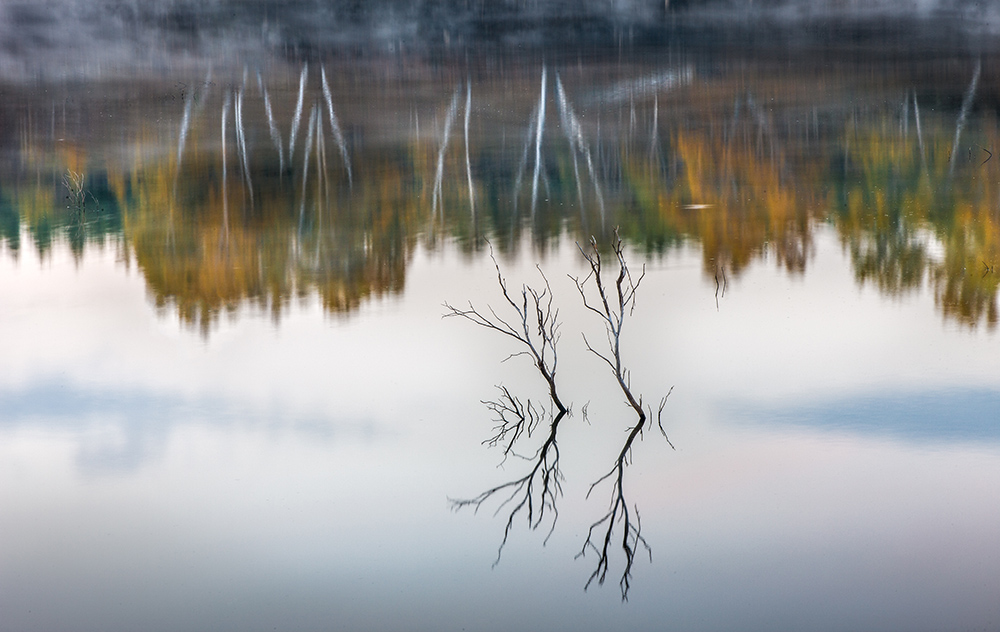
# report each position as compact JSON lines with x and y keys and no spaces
{"x":513,"y":419}
{"x":659,"y":418}
{"x":612,"y":305}
{"x":537,"y":326}
{"x":631,"y":536}
{"x":74,"y":183}
{"x":536,"y":493}
{"x":534,"y":324}
{"x":536,"y":329}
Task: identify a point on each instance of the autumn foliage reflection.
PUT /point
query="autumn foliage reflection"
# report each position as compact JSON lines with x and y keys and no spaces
{"x":204,"y":258}
{"x":909,"y":217}
{"x":264,"y":189}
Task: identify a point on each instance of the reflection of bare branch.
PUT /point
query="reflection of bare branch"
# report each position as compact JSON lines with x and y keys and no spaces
{"x":536,"y":493}
{"x":468,"y":164}
{"x":538,"y":143}
{"x":74,"y":183}
{"x":612,"y":305}
{"x":225,"y":174}
{"x":513,"y":419}
{"x":618,"y":512}
{"x":310,"y":131}
{"x":298,"y":112}
{"x":524,"y":155}
{"x":574,"y":133}
{"x":182,"y":138}
{"x":271,"y":125}
{"x":920,"y":136}
{"x":338,"y":135}
{"x":723,"y":286}
{"x":439,"y":177}
{"x":654,"y":135}
{"x":536,"y":328}
{"x":241,"y":143}
{"x":321,"y":171}
{"x":970,"y":96}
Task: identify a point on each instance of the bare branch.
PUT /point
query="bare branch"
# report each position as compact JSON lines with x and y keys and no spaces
{"x":612,"y":305}
{"x":659,"y":417}
{"x":536,"y":493}
{"x":538,"y":335}
{"x":513,"y":418}
{"x":534,"y":323}
{"x":600,"y":536}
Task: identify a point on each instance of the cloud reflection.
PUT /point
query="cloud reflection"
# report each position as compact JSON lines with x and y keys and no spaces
{"x":117,"y":430}
{"x":954,"y":415}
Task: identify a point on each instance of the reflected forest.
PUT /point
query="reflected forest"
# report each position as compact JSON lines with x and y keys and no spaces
{"x":267,"y":184}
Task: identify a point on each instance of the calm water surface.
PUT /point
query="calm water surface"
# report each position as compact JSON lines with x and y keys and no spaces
{"x":229,"y":400}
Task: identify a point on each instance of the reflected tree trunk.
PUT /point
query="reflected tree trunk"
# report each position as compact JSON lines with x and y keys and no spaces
{"x":970,"y":96}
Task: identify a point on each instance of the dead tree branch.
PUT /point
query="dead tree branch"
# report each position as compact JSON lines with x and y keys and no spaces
{"x":513,"y":419}
{"x":612,"y":304}
{"x":534,"y":324}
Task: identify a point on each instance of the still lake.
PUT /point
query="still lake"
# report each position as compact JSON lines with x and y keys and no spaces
{"x":230,"y":400}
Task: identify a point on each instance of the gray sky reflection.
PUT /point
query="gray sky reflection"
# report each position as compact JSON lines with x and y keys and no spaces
{"x":232,"y":512}
{"x":923,"y":417}
{"x":117,"y":431}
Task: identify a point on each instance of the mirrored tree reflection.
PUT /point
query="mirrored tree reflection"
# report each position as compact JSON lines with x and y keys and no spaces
{"x":260,"y":186}
{"x":530,"y":319}
{"x":613,"y":304}
{"x":533,"y":322}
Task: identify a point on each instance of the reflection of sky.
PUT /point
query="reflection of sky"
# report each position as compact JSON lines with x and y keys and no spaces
{"x":120,"y":429}
{"x":228,"y":510}
{"x":950,"y":415}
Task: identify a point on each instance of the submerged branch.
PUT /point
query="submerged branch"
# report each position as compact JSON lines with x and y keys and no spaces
{"x":536,"y":493}
{"x":513,"y":419}
{"x":612,"y":304}
{"x":534,"y":323}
